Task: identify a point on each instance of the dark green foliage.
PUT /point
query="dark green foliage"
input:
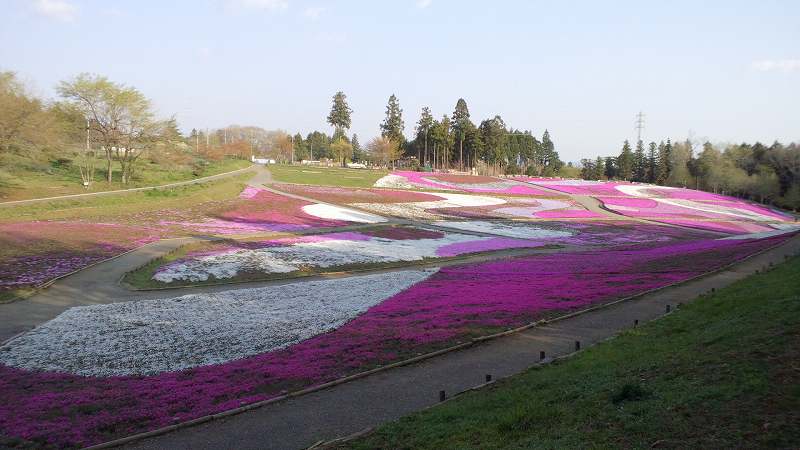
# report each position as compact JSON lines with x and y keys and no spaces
{"x":392,"y":126}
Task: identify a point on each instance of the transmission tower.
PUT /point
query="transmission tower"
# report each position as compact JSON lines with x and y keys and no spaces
{"x":639,"y":126}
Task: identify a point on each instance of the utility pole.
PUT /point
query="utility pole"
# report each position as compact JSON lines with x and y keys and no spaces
{"x":639,"y":126}
{"x":292,"y":149}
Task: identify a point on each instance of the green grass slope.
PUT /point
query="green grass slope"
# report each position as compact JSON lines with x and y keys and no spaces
{"x":325,"y":176}
{"x":723,"y":372}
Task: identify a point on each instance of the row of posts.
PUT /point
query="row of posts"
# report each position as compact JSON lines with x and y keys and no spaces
{"x":543,"y":356}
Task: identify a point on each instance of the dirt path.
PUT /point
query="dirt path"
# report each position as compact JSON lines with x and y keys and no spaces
{"x":368,"y":402}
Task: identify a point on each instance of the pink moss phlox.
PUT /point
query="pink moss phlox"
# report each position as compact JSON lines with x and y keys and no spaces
{"x":491,"y":244}
{"x":454,"y":304}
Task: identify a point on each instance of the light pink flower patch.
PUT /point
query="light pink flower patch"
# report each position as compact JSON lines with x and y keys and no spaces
{"x":491,"y":244}
{"x":468,"y":183}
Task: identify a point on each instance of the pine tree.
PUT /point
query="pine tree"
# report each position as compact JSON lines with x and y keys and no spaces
{"x":663,"y":164}
{"x":357,"y":151}
{"x":339,"y":116}
{"x":610,"y":168}
{"x":599,"y":168}
{"x":652,"y":163}
{"x":639,"y":163}
{"x":547,"y":156}
{"x":423,"y":130}
{"x":460,"y":125}
{"x":625,"y":161}
{"x":392,"y":126}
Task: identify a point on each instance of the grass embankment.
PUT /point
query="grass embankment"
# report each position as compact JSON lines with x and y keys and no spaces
{"x":22,"y":182}
{"x":722,"y":372}
{"x":127,"y":203}
{"x":326,"y":176}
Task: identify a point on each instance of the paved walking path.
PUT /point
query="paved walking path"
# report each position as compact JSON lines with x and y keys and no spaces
{"x":379,"y":398}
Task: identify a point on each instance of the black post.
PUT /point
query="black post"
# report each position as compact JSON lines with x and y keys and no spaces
{"x":541,"y":355}
{"x":488,"y":377}
{"x":442,"y":396}
{"x":669,"y":308}
{"x":636,"y":323}
{"x":577,"y":345}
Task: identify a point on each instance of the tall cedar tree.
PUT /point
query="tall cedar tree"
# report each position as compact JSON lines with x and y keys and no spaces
{"x":339,"y":116}
{"x":610,"y":168}
{"x":460,"y":124}
{"x":652,"y":163}
{"x":599,"y":168}
{"x":639,"y":163}
{"x":625,"y":162}
{"x":392,"y":126}
{"x":423,"y":131}
{"x":357,"y":152}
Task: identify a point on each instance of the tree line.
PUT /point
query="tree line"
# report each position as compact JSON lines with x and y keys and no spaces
{"x":94,"y":120}
{"x":768,"y":174}
{"x":450,"y":142}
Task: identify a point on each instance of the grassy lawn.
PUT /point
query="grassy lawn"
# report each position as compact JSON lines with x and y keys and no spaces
{"x":127,"y":204}
{"x":325,"y":176}
{"x":22,"y":183}
{"x":722,"y":372}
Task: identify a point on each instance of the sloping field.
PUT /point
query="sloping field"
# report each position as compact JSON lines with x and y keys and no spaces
{"x":114,"y":368}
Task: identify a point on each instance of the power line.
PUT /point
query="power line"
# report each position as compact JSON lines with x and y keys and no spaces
{"x":639,"y":126}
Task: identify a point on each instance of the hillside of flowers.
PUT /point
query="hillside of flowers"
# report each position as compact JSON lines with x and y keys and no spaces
{"x":332,"y":251}
{"x":59,"y":371}
{"x":676,"y":206}
{"x":34,"y":252}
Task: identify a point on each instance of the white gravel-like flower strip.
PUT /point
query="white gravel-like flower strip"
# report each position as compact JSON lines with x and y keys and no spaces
{"x":333,"y":212}
{"x":319,"y":254}
{"x":512,"y":230}
{"x":393,"y":181}
{"x":154,"y":336}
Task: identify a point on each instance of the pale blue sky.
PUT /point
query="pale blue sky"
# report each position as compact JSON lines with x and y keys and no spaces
{"x":726,"y":70}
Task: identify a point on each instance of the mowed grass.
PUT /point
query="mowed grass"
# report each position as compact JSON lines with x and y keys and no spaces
{"x":112,"y":206}
{"x":22,"y":184}
{"x":722,"y":372}
{"x":326,"y":176}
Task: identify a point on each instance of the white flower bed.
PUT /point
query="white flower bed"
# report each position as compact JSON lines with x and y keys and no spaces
{"x":154,"y":336}
{"x":419,"y":210}
{"x":334,"y":212}
{"x":316,"y":254}
{"x":512,"y":230}
{"x":394,"y":181}
{"x":529,"y":211}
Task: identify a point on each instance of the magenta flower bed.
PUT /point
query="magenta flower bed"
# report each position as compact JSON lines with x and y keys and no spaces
{"x":578,"y":187}
{"x":340,"y":195}
{"x":32,"y":253}
{"x":678,"y":215}
{"x":457,"y":303}
{"x":464,"y":183}
{"x":569,"y":214}
{"x":257,"y":211}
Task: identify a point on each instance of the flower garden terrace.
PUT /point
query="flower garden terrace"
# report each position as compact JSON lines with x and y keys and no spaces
{"x":425,"y":260}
